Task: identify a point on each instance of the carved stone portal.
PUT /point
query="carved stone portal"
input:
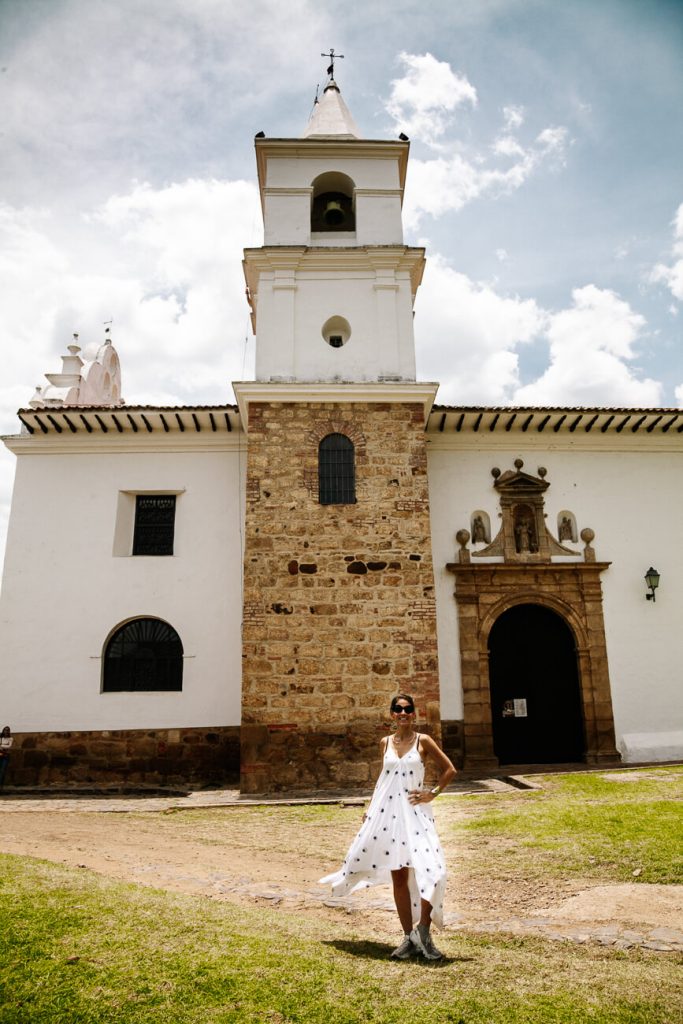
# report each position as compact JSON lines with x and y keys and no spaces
{"x":527,"y":575}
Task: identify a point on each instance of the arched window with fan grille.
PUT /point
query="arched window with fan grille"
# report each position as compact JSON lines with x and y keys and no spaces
{"x":143,"y":655}
{"x":336,"y":471}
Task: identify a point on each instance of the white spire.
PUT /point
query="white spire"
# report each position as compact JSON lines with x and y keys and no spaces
{"x":331,"y":116}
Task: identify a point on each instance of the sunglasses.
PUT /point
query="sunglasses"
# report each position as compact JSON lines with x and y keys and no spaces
{"x":399,"y":709}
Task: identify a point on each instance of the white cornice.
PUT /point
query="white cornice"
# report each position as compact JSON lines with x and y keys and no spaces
{"x":362,"y":392}
{"x":301,"y":260}
{"x":334,"y":257}
{"x":332,"y":149}
{"x":666,"y":444}
{"x":114,"y":444}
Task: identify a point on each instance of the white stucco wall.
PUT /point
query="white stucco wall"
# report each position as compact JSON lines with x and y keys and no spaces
{"x":376,"y":194}
{"x":65,"y":590}
{"x":292,"y":313}
{"x":287,"y":219}
{"x":630,"y":495}
{"x":376,"y":169}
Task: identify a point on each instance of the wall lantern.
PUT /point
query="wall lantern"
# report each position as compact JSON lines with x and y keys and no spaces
{"x":652,"y":580}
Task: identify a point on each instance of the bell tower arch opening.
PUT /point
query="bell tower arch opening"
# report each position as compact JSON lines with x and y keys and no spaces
{"x":535,"y":689}
{"x":333,"y":207}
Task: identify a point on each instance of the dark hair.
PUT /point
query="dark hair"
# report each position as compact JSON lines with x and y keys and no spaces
{"x":401,"y":696}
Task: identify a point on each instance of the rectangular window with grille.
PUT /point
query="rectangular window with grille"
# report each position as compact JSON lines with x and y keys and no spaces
{"x":154,"y":524}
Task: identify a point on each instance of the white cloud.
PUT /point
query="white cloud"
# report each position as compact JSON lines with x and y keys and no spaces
{"x":468,"y":337}
{"x":423,"y":104}
{"x":423,"y":101}
{"x":591,"y":344}
{"x":513,"y":117}
{"x":164,"y":263}
{"x":99,"y":91}
{"x":672,"y":276}
{"x":552,"y":140}
{"x":679,"y":395}
{"x":506,"y":145}
{"x":449,"y":183}
{"x":193,"y":226}
{"x":502,"y":255}
{"x":166,"y":267}
{"x":467,"y":334}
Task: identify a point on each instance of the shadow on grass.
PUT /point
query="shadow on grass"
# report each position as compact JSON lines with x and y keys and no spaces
{"x":381,"y":951}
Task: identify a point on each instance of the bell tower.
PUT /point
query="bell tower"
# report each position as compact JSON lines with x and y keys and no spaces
{"x":332,"y":289}
{"x":339,"y":609}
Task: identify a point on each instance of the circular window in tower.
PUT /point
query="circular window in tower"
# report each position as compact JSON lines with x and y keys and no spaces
{"x":336,"y":331}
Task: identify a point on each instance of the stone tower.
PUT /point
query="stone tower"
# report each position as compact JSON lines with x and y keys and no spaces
{"x":339,"y":610}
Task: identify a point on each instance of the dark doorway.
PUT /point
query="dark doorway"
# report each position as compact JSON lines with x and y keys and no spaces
{"x":535,"y":692}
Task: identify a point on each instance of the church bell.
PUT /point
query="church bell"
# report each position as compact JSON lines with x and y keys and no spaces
{"x":334,"y":215}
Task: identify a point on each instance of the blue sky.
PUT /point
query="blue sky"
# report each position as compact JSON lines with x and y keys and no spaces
{"x":546,"y":182}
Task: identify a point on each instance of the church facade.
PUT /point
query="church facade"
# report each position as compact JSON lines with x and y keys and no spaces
{"x":194,"y":594}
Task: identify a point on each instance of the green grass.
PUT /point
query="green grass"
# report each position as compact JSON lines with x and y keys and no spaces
{"x":607,"y":825}
{"x":76,"y":948}
{"x":80,"y":949}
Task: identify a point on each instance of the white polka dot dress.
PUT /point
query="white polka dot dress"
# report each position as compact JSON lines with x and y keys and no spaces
{"x":396,"y":835}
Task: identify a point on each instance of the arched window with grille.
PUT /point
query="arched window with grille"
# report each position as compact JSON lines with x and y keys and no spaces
{"x":143,"y":655}
{"x":336,"y":471}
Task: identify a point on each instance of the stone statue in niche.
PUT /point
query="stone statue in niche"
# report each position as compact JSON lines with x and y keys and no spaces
{"x":566,"y":532}
{"x":522,"y":536}
{"x":478,"y":531}
{"x":525,"y":533}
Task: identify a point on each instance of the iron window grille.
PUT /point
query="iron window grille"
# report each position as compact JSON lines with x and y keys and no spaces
{"x":143,"y":655}
{"x":154,"y":524}
{"x":336,"y":471}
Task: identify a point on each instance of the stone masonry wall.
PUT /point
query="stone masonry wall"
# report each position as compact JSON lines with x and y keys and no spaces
{"x":124,"y":759}
{"x":339,"y":611}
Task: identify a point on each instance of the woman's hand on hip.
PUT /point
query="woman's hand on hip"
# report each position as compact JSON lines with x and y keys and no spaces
{"x":420,"y":796}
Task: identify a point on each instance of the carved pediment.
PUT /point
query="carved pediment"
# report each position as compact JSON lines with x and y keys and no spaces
{"x":516,"y":482}
{"x":523,"y":535}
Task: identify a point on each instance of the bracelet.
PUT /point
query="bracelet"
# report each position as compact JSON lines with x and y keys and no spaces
{"x":436,"y":790}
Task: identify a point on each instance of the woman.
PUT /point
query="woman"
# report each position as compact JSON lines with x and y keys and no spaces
{"x":398,"y":839}
{"x":5,"y":745}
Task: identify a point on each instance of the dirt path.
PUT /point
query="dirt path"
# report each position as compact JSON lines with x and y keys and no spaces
{"x":229,"y":854}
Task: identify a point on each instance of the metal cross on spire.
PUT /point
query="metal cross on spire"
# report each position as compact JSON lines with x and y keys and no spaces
{"x":333,"y":56}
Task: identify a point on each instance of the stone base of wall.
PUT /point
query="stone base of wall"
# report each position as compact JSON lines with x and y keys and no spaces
{"x":125,"y":759}
{"x":289,"y":759}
